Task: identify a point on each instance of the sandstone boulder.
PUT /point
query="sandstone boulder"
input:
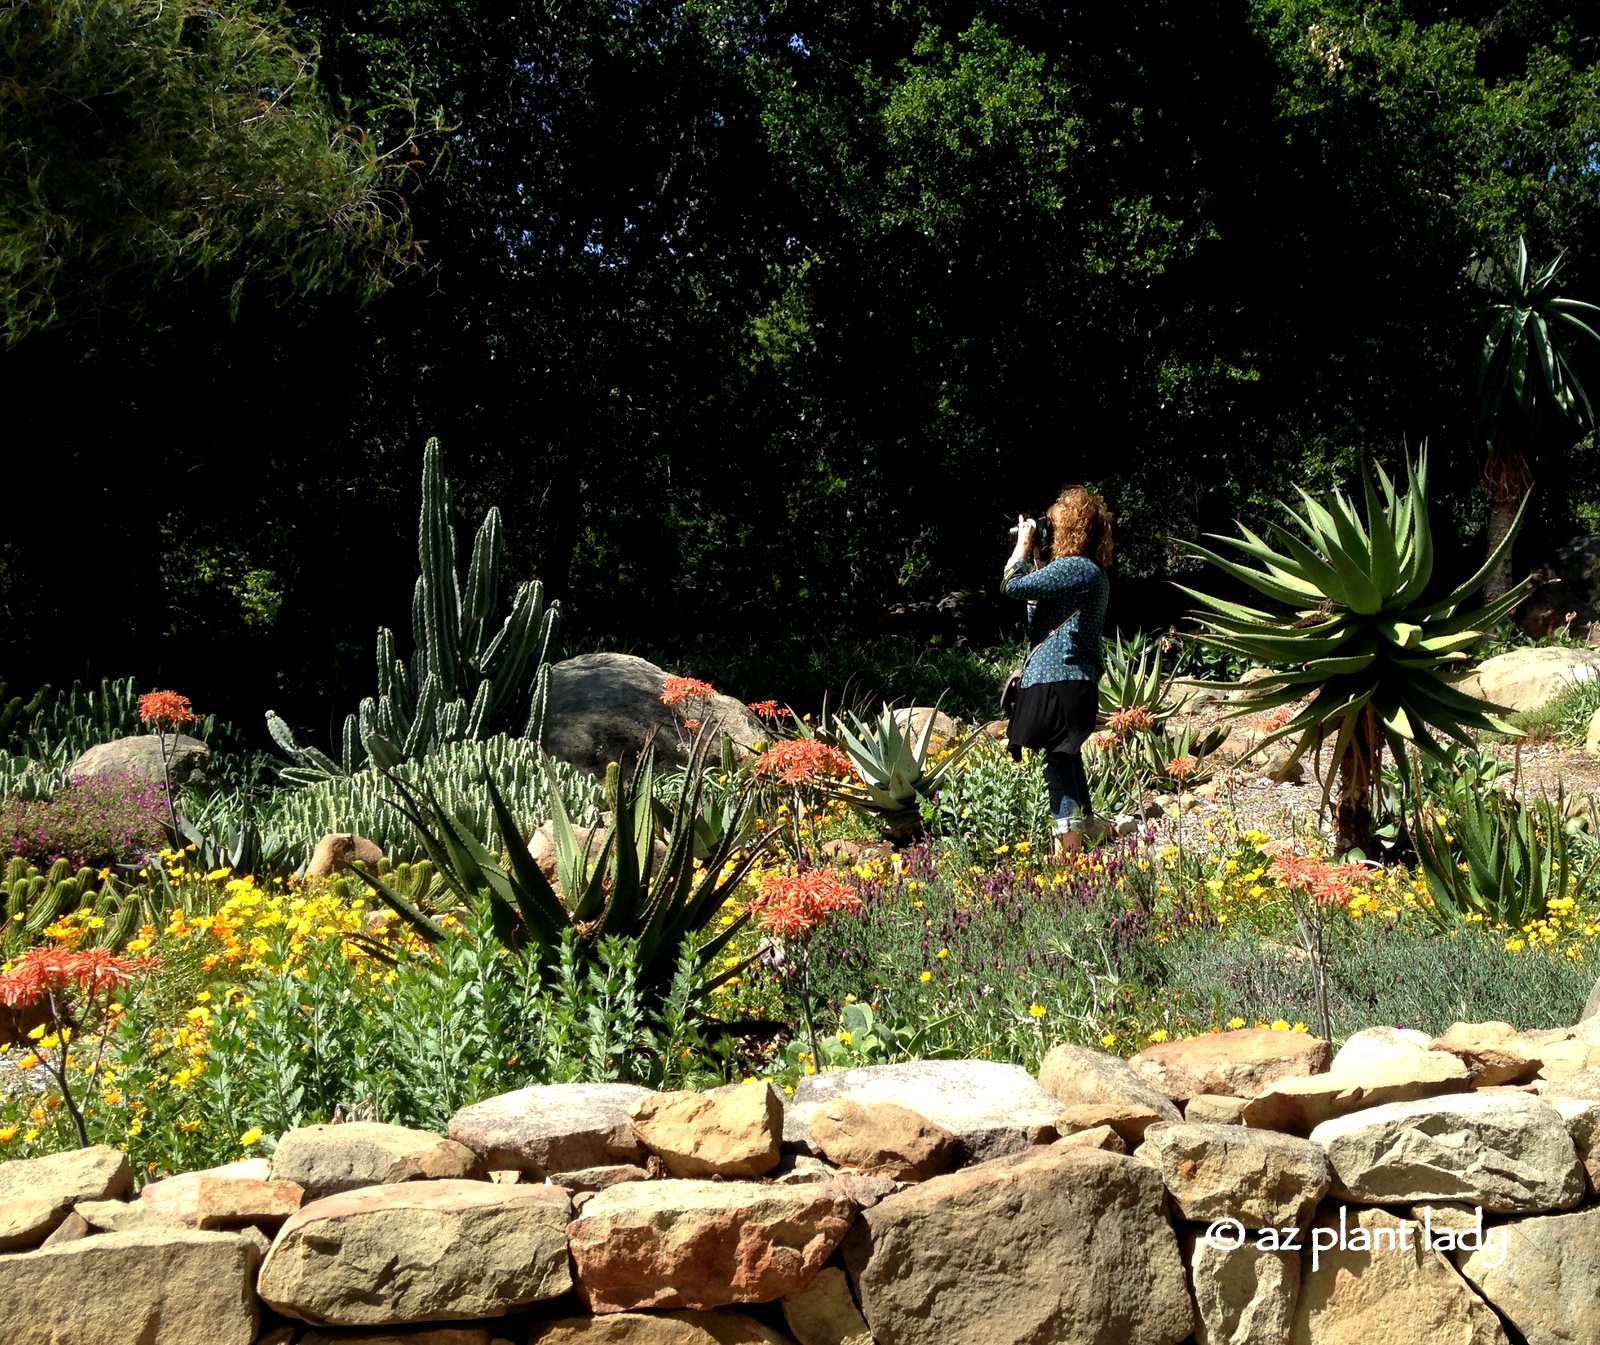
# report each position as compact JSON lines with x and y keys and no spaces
{"x":224,"y":1202}
{"x":124,"y":1216}
{"x":164,"y":1286}
{"x":796,"y":1169}
{"x":1528,"y":679}
{"x":1129,"y":1119}
{"x":1087,"y":1254}
{"x":883,"y":1138}
{"x":1576,"y":1100}
{"x":70,"y":1229}
{"x":37,"y":1193}
{"x":1077,"y":1076}
{"x":1560,"y":1058}
{"x":1591,"y":1006}
{"x":140,"y":754}
{"x":1373,"y":1044}
{"x":26,"y":1221}
{"x":703,"y":1244}
{"x":1245,"y":1295}
{"x":733,"y":1133}
{"x":604,"y":706}
{"x":1508,"y":1152}
{"x":398,"y":1335}
{"x":990,"y":1108}
{"x":559,"y":1127}
{"x":1242,"y":1063}
{"x":1259,"y":1177}
{"x":1209,"y":1109}
{"x":177,"y":1198}
{"x":339,"y":850}
{"x":327,"y":1159}
{"x":1299,"y":1105}
{"x":657,"y":1328}
{"x":913,"y":719}
{"x":1399,"y":1292}
{"x":590,"y":841}
{"x":823,"y":1313}
{"x":865,"y":1189}
{"x":1546,"y":1277}
{"x":419,"y":1252}
{"x":597,"y":1179}
{"x":1097,"y":1137}
{"x":1494,"y":1052}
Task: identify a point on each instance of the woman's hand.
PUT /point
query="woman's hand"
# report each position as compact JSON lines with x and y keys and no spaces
{"x":1025,"y":531}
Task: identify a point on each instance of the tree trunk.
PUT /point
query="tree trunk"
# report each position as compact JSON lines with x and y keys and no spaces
{"x":1358,"y":774}
{"x":1506,"y":478}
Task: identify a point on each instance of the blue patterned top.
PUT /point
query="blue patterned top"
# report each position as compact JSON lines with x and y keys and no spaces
{"x":1070,"y":593}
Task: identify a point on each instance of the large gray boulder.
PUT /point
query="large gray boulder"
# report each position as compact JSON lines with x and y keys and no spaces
{"x":604,"y":706}
{"x":991,"y":1109}
{"x":1528,"y":679}
{"x":1508,"y":1152}
{"x":1049,"y":1245}
{"x":141,"y":755}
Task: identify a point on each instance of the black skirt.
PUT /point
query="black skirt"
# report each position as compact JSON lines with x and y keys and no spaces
{"x":1053,"y":717}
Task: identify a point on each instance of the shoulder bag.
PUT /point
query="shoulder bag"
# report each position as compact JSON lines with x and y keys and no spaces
{"x":1013,"y":684}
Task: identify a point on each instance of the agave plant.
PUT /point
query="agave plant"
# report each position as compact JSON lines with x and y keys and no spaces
{"x":1133,"y":679}
{"x":613,"y":885}
{"x":890,"y":757}
{"x":1179,"y":760}
{"x":1497,"y":858}
{"x":1357,"y":637}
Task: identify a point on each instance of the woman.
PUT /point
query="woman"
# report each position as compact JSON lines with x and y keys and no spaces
{"x":1064,"y":583}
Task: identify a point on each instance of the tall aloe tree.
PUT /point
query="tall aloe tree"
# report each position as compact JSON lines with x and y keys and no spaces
{"x":1353,"y":633}
{"x":1527,"y":386}
{"x":465,"y":680}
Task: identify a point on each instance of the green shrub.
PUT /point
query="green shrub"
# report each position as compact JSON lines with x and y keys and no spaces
{"x":989,"y":801}
{"x":360,"y":802}
{"x":1573,"y":709}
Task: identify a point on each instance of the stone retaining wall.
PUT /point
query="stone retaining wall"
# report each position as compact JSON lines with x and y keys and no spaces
{"x":1243,"y":1188}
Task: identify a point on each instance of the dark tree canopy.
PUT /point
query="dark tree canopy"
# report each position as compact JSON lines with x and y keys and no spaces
{"x":765,"y":317}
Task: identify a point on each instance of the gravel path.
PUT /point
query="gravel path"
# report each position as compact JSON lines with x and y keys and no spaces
{"x":1282,"y":810}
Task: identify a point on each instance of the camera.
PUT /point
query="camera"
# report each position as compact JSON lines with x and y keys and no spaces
{"x":1042,"y":533}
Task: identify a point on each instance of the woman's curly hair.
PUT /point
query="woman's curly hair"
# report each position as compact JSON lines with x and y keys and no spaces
{"x":1081,"y":526}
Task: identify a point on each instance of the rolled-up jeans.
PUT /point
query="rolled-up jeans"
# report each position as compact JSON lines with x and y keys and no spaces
{"x":1064,"y":777}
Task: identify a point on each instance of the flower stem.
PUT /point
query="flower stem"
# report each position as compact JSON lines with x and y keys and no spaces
{"x":166,"y":781}
{"x":58,"y":1067}
{"x":805,"y":1006}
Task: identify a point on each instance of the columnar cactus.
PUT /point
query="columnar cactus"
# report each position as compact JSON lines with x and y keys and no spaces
{"x":464,"y":680}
